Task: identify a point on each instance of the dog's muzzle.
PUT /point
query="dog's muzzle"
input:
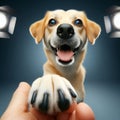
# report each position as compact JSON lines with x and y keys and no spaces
{"x":65,"y":48}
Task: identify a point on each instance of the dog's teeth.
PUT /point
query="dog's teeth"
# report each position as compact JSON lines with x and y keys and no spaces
{"x":34,"y":97}
{"x":72,"y":93}
{"x":63,"y":103}
{"x":45,"y":102}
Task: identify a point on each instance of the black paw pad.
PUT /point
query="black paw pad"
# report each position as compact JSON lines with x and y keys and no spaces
{"x":63,"y":103}
{"x":34,"y":97}
{"x":45,"y":102}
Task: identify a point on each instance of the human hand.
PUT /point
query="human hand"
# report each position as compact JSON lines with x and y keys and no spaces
{"x":18,"y":109}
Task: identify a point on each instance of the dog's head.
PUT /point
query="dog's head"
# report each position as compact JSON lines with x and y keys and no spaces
{"x":65,"y":34}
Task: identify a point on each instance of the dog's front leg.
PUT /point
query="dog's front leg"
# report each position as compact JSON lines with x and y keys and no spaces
{"x":52,"y":93}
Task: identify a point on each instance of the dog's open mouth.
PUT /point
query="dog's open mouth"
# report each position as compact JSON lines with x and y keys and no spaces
{"x":65,"y":54}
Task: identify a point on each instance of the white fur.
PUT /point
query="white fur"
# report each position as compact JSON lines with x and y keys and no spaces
{"x":50,"y":84}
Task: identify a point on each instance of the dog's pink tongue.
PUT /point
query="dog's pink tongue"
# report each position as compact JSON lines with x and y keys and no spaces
{"x":65,"y":55}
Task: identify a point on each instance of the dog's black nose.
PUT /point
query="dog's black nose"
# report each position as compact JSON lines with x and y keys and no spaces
{"x":65,"y":31}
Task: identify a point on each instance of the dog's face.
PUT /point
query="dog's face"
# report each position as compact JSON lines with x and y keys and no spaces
{"x":65,"y":34}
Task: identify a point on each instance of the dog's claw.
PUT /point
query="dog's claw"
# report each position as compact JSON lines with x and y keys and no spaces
{"x":72,"y":93}
{"x":63,"y":103}
{"x":34,"y":97}
{"x":45,"y":102}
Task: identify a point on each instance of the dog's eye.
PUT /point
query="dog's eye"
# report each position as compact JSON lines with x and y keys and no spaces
{"x":52,"y":22}
{"x":78,"y":22}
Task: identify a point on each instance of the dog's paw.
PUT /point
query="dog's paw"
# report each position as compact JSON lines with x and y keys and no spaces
{"x":51,"y":94}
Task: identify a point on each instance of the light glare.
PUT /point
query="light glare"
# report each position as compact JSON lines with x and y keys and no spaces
{"x":107,"y":24}
{"x":12,"y":25}
{"x":3,"y":20}
{"x":116,"y":20}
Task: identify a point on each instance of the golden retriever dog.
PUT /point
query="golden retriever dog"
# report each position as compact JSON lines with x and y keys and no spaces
{"x":65,"y":35}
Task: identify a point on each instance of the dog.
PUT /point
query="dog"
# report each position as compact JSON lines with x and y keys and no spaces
{"x":65,"y":35}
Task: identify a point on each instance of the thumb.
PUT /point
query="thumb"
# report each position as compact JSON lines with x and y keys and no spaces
{"x":20,"y":98}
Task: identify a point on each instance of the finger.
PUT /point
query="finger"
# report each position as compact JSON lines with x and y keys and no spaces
{"x":71,"y":108}
{"x":20,"y":98}
{"x":68,"y":114}
{"x":84,"y":112}
{"x":73,"y":116}
{"x":41,"y":116}
{"x":63,"y":116}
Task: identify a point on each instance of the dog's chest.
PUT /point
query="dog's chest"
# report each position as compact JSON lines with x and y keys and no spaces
{"x":68,"y":72}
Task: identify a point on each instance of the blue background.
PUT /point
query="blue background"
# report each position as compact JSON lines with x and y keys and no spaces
{"x":22,"y":60}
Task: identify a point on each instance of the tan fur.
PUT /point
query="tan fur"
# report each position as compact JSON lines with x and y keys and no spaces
{"x":40,"y":30}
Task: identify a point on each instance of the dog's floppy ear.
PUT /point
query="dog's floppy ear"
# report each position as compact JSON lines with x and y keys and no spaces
{"x":93,"y":31}
{"x":37,"y":30}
